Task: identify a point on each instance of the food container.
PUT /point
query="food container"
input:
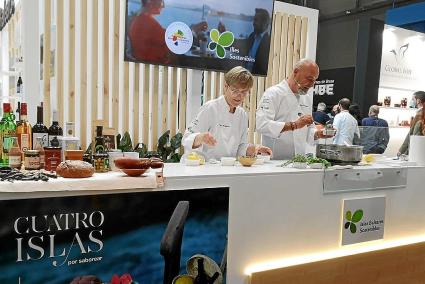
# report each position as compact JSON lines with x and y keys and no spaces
{"x":299,"y":165}
{"x":228,"y":161}
{"x":265,"y":158}
{"x":76,"y":155}
{"x":112,"y":157}
{"x":32,"y":160}
{"x":134,"y":155}
{"x":340,"y":153}
{"x":52,"y":158}
{"x":194,"y":163}
{"x":247,"y":161}
{"x":101,"y":162}
{"x":329,"y":131}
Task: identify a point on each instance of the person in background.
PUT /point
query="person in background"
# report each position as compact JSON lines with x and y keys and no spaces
{"x":375,"y":132}
{"x":258,"y":42}
{"x":220,"y":128}
{"x":320,"y":115}
{"x":284,"y":113}
{"x":147,"y":36}
{"x":417,"y":124}
{"x":334,"y":111}
{"x":347,"y":129}
{"x":354,"y":110}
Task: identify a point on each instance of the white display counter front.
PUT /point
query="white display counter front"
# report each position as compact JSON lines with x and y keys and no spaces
{"x":277,"y":216}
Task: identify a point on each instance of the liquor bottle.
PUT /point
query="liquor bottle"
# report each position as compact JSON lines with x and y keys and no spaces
{"x":18,"y":113}
{"x":24,"y":130}
{"x":15,"y":155}
{"x":8,"y":131}
{"x":55,"y":131}
{"x":19,"y":85}
{"x":99,"y":146}
{"x":39,"y":130}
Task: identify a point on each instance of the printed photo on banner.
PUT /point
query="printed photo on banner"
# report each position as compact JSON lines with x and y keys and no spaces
{"x":200,"y":34}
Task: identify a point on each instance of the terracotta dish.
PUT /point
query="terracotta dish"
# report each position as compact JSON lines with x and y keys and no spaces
{"x":128,"y":163}
{"x":134,"y":172}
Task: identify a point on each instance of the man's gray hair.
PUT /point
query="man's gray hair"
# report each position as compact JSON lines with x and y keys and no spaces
{"x":321,"y":106}
{"x":304,"y":62}
{"x":374,"y":110}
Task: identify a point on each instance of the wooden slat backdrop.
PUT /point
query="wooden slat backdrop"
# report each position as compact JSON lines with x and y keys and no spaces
{"x":146,"y":89}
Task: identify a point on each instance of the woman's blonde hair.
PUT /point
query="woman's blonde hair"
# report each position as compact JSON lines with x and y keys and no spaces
{"x":239,"y":76}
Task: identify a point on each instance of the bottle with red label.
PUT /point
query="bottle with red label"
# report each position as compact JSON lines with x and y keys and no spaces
{"x":24,"y":130}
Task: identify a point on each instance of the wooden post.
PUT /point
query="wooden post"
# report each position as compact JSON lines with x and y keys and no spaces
{"x":46,"y":60}
{"x":83,"y":72}
{"x":71,"y":69}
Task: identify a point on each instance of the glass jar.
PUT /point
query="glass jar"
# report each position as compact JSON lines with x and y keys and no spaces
{"x":52,"y":158}
{"x":32,"y":160}
{"x":101,"y":162}
{"x":403,"y":103}
{"x":387,"y":101}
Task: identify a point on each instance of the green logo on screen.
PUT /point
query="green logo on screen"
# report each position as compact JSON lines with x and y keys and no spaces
{"x":220,"y":41}
{"x":352,"y":219}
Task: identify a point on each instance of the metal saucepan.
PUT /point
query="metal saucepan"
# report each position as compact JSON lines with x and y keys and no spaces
{"x":340,"y":153}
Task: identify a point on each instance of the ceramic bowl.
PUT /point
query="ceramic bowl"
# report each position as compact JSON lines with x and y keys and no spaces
{"x":317,"y":166}
{"x":228,"y":161}
{"x":183,"y":279}
{"x":192,"y":163}
{"x":259,"y":161}
{"x":134,"y":172}
{"x":329,"y":132}
{"x":299,"y":165}
{"x":127,"y":163}
{"x":247,"y":161}
{"x":265,"y":158}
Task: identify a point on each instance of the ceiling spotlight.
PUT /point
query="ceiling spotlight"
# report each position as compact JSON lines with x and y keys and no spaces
{"x":348,"y":12}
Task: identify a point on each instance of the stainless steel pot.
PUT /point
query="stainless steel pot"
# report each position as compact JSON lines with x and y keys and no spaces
{"x":340,"y":153}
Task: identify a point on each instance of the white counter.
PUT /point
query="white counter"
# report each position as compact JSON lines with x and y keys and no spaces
{"x":275,"y":213}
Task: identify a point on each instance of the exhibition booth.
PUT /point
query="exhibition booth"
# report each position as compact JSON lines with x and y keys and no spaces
{"x":94,"y":186}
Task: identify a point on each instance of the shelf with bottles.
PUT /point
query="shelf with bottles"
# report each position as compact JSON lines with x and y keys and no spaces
{"x":398,"y":108}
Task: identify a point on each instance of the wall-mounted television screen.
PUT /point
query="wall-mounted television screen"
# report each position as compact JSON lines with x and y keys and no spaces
{"x":200,"y":34}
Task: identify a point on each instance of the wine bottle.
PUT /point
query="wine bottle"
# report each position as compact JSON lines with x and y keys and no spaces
{"x":99,"y":146}
{"x":55,"y":131}
{"x":39,"y":130}
{"x":7,"y":131}
{"x":24,"y":130}
{"x":19,"y":85}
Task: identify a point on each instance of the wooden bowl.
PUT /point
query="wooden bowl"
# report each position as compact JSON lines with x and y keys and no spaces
{"x":247,"y":161}
{"x":128,"y":163}
{"x":134,"y":172}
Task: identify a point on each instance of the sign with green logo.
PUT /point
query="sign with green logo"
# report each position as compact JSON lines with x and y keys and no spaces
{"x":220,"y":41}
{"x":363,"y":220}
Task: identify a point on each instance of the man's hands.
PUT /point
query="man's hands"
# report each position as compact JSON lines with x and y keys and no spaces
{"x":303,"y":120}
{"x":204,"y":138}
{"x":254,"y":150}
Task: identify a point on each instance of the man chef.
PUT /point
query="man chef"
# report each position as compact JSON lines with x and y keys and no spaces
{"x":220,"y":129}
{"x":284,"y":114}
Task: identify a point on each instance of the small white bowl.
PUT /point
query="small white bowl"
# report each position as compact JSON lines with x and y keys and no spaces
{"x":265,"y":158}
{"x":317,"y":166}
{"x":192,"y":163}
{"x":228,"y":161}
{"x":329,"y":132}
{"x":134,"y":155}
{"x":259,"y":161}
{"x":299,"y":165}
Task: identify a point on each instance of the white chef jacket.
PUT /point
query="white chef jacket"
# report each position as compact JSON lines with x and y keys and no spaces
{"x":229,"y":129}
{"x":346,"y":127}
{"x":277,"y":106}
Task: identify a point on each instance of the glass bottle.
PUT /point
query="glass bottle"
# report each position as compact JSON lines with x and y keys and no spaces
{"x":55,"y":131}
{"x":100,"y":157}
{"x":7,"y":131}
{"x":24,"y":130}
{"x":39,"y":130}
{"x":15,"y":154}
{"x":19,"y":85}
{"x":38,"y":145}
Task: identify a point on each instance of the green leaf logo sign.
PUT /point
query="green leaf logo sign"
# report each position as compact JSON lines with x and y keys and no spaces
{"x":220,"y":41}
{"x":352,"y":220}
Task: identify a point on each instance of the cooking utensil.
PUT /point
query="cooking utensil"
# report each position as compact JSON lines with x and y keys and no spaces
{"x":340,"y":153}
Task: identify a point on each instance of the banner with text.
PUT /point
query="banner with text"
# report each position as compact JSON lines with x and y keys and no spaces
{"x":333,"y":85}
{"x":363,"y":220}
{"x":149,"y":237}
